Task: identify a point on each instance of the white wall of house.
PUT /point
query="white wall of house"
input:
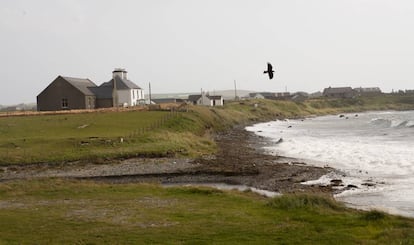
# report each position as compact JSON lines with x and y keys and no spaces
{"x":199,"y":101}
{"x":210,"y":102}
{"x":259,"y":96}
{"x":130,"y":97}
{"x":217,"y":102}
{"x":204,"y":100}
{"x":140,"y":94}
{"x":124,"y":97}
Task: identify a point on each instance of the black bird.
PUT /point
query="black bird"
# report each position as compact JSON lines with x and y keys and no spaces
{"x":269,"y":70}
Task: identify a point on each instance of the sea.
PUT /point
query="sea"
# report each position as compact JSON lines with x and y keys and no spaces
{"x":372,"y":154}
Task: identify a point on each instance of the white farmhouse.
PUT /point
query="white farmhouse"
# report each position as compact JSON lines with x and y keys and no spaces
{"x":127,"y":92}
{"x":205,"y":99}
{"x":216,"y":100}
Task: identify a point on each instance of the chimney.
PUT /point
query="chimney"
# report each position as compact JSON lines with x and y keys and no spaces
{"x":122,"y":73}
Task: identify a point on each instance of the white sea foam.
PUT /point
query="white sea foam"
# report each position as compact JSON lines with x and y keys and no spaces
{"x":374,"y":146}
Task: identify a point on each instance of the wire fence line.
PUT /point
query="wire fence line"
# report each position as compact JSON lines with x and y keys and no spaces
{"x":156,"y":124}
{"x":73,"y":111}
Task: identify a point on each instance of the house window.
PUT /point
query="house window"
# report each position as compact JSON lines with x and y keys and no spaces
{"x":64,"y":103}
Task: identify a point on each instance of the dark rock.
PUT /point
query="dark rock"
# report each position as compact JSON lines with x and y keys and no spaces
{"x":368,"y":184}
{"x":336,"y":182}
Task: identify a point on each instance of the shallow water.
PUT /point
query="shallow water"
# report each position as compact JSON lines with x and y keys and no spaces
{"x":374,"y":150}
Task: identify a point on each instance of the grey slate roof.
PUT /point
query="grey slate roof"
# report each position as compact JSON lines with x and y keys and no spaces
{"x":83,"y":85}
{"x":337,"y":90}
{"x":102,"y":92}
{"x":214,"y":97}
{"x":121,"y":84}
{"x":194,"y":97}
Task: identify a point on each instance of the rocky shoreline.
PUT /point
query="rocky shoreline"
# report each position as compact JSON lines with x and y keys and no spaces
{"x":240,"y":161}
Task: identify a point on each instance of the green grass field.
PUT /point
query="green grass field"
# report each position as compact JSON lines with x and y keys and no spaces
{"x":95,"y":136}
{"x":55,"y":211}
{"x":102,"y":136}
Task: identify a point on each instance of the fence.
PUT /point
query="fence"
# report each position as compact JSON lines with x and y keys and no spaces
{"x":155,"y":125}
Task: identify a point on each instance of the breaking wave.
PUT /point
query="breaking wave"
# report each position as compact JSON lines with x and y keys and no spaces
{"x":391,"y":123}
{"x":377,"y":146}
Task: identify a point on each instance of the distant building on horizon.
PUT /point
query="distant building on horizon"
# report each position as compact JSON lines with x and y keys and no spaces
{"x":315,"y":94}
{"x":167,"y":100}
{"x":270,"y":95}
{"x":368,"y":91}
{"x":68,"y":93}
{"x":299,"y":96}
{"x":261,"y":95}
{"x":339,"y":92}
{"x":206,"y":99}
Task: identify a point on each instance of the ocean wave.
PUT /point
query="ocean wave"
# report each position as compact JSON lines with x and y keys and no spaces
{"x":382,"y":122}
{"x":391,"y":123}
{"x":374,"y":147}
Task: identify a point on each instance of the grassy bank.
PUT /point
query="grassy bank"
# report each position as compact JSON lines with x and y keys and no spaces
{"x":101,"y":136}
{"x":55,"y":211}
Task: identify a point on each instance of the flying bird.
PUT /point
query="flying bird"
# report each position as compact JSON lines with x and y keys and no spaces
{"x":269,"y":70}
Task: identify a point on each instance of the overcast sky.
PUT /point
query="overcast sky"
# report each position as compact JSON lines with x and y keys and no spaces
{"x":188,"y":45}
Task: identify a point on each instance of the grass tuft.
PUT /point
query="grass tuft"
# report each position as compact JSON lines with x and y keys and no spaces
{"x":373,"y":215}
{"x":206,"y":191}
{"x":304,"y":201}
